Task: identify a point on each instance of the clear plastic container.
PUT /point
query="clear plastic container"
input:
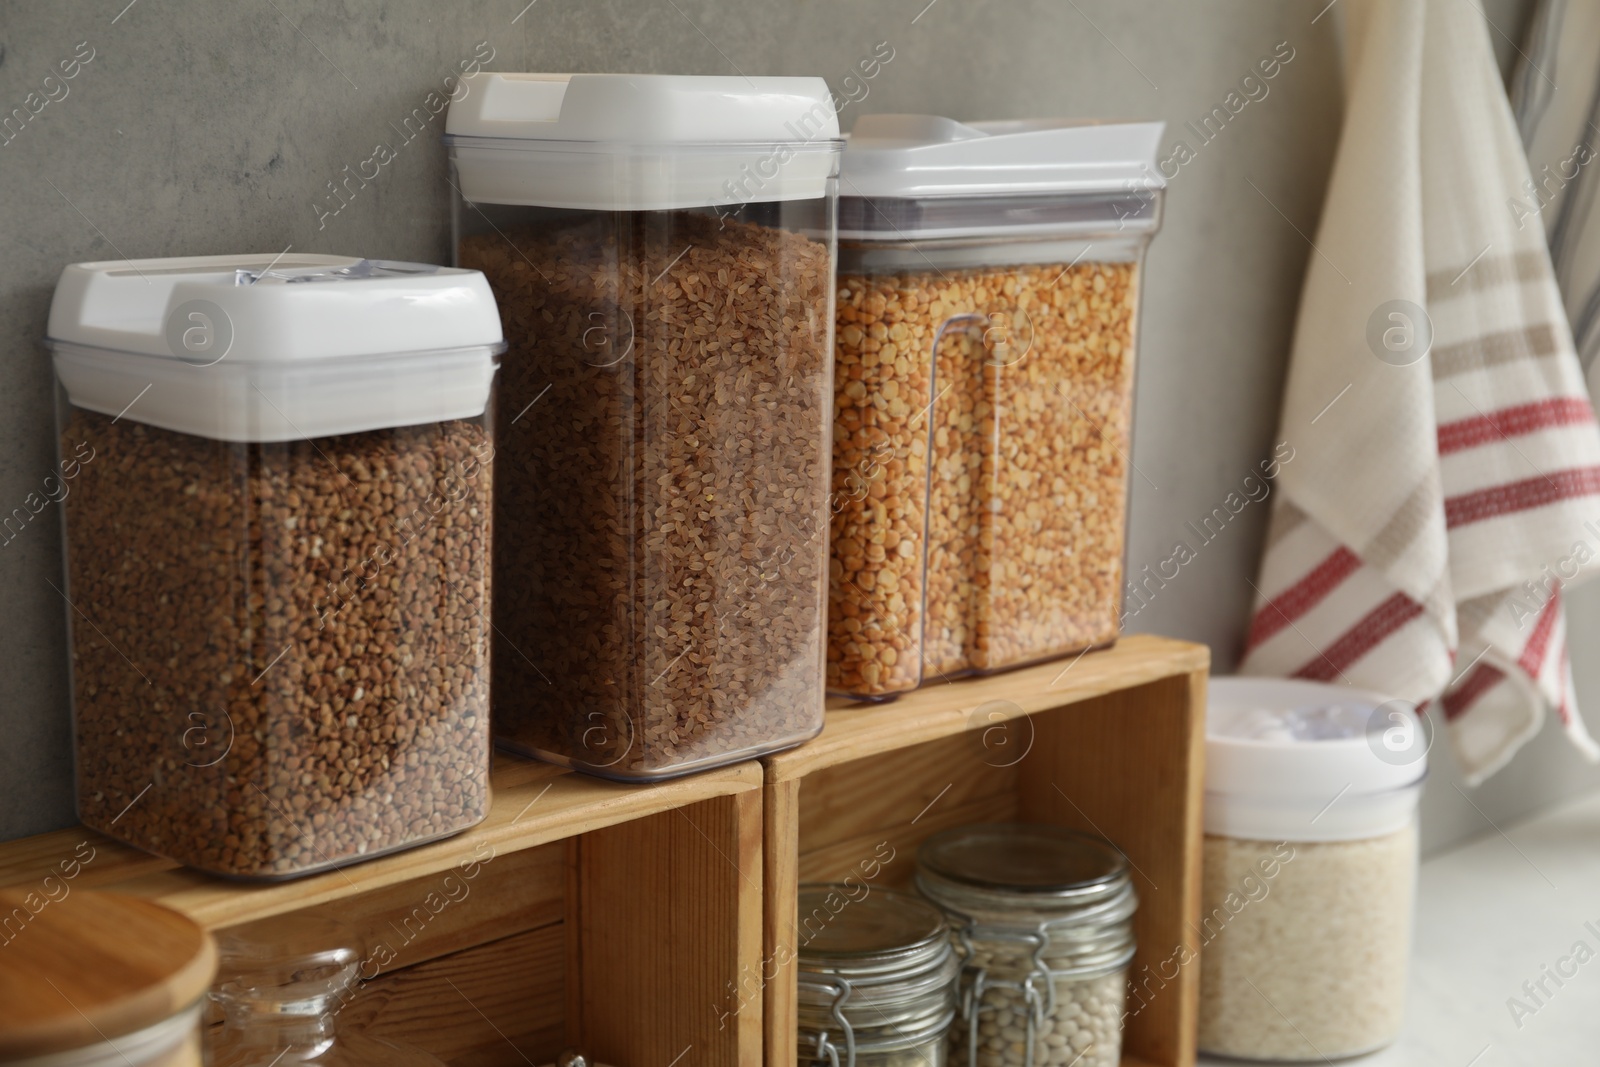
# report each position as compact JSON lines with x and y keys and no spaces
{"x":281,"y":986}
{"x":1310,"y":868}
{"x":988,"y":300}
{"x":1042,"y":919}
{"x":877,"y":979}
{"x":662,"y":250}
{"x":277,"y":487}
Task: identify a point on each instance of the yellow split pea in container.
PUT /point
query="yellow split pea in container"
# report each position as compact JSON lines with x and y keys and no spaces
{"x":987,"y":312}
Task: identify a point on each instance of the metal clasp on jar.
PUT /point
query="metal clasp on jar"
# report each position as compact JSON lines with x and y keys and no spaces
{"x":840,"y":990}
{"x":975,"y":982}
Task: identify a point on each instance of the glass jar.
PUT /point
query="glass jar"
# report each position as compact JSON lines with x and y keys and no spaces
{"x":276,"y":474}
{"x":662,"y":250}
{"x":1042,"y":919}
{"x":876,"y":979}
{"x":95,"y":979}
{"x":281,"y":986}
{"x":1310,"y":868}
{"x":988,"y":300}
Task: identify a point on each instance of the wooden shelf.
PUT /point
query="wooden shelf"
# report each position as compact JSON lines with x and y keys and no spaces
{"x":638,"y":921}
{"x":580,"y":912}
{"x":534,"y":804}
{"x":1111,"y":743}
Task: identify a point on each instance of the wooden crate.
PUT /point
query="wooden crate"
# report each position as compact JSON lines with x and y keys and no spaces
{"x":580,"y":912}
{"x":1111,"y":743}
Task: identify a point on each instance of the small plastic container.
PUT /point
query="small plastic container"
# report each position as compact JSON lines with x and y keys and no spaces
{"x":989,"y":280}
{"x":1042,"y":919}
{"x":877,"y":979}
{"x":92,"y":979}
{"x":281,"y":987}
{"x":662,"y":249}
{"x":277,"y":476}
{"x":1310,"y":868}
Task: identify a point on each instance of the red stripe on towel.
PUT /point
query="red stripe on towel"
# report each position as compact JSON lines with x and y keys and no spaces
{"x":1361,"y":638}
{"x":1496,"y":426}
{"x":1520,"y":496}
{"x":1532,"y":659}
{"x":1484,"y":678}
{"x":1302,"y":596}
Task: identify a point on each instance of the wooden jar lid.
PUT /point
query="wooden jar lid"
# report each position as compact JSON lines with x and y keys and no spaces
{"x":88,"y":967}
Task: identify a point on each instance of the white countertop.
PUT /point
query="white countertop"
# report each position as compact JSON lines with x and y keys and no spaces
{"x":1491,"y":914}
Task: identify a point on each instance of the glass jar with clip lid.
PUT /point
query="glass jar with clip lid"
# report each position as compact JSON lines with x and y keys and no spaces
{"x":877,"y":979}
{"x":1041,"y":918}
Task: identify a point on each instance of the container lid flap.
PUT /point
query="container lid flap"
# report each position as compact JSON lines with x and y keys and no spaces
{"x":271,"y":309}
{"x":643,"y":109}
{"x":908,"y":156}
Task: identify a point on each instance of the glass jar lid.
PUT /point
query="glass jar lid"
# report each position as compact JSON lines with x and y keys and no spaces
{"x":877,"y":972}
{"x":1060,"y":897}
{"x":1027,"y":862}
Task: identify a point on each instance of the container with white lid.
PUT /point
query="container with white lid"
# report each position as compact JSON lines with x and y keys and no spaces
{"x":662,"y":251}
{"x":987,"y":306}
{"x":1310,"y":867}
{"x":276,"y":473}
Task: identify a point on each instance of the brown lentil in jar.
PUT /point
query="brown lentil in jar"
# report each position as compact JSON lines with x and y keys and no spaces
{"x":1031,"y":404}
{"x":663,"y":436}
{"x":279,"y":660}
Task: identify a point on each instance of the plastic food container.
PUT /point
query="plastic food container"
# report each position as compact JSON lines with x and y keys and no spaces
{"x":877,"y":979}
{"x":989,"y":279}
{"x":662,"y":250}
{"x":1042,"y":919}
{"x":91,"y":979}
{"x":277,"y":485}
{"x":1310,"y":868}
{"x":281,"y":987}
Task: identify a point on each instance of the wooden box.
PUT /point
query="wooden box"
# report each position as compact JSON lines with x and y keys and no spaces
{"x":642,"y":922}
{"x":580,"y":912}
{"x":1110,"y":743}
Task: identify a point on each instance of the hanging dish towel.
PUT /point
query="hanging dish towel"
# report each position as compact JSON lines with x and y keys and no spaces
{"x":1446,"y":481}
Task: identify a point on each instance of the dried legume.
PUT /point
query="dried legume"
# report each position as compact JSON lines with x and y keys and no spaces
{"x":662,"y":507}
{"x":1030,"y":419}
{"x":279,"y":655}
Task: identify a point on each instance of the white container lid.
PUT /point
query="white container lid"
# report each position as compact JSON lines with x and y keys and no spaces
{"x":927,"y":155}
{"x":1291,"y":760}
{"x":926,"y":176}
{"x":226,"y":348}
{"x":636,"y":142}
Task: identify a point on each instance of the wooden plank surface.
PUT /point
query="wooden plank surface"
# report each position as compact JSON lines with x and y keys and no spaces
{"x":1129,"y":766}
{"x":667,"y":913}
{"x":855,"y":731}
{"x":849,"y":800}
{"x":439,"y":914}
{"x":774,"y":981}
{"x":494,"y":1005}
{"x":534,"y":804}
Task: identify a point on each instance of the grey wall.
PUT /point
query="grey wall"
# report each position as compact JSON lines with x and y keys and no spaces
{"x":210,"y":128}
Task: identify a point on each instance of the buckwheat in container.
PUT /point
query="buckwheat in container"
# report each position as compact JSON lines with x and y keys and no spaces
{"x":988,"y":299}
{"x":1310,"y":868}
{"x":277,"y":481}
{"x":662,"y":251}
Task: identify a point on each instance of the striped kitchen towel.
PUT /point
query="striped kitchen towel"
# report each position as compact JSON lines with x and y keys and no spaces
{"x":1446,"y":481}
